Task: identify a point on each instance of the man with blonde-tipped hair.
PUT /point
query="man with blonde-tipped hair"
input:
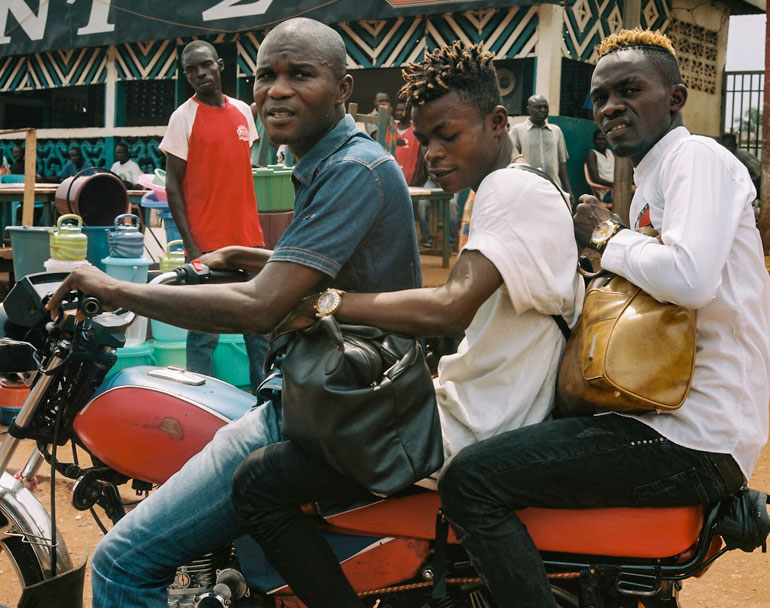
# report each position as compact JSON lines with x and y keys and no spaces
{"x":698,"y":197}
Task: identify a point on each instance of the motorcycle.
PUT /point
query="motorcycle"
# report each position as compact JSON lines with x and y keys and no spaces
{"x":141,"y":424}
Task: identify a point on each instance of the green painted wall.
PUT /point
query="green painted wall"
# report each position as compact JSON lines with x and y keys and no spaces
{"x":578,"y":134}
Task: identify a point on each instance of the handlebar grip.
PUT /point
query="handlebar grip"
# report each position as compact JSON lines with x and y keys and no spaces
{"x":196,"y":273}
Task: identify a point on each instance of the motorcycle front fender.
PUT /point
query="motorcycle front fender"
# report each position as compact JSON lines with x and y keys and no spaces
{"x":21,"y":515}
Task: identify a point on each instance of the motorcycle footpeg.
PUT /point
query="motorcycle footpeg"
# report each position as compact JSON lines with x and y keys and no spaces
{"x":638,"y":584}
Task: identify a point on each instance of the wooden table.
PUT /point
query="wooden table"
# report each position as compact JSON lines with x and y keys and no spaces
{"x":436,"y":196}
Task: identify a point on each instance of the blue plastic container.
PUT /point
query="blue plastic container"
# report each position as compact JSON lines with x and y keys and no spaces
{"x":98,"y":248}
{"x":127,"y":269}
{"x":30,"y":246}
{"x":7,"y":414}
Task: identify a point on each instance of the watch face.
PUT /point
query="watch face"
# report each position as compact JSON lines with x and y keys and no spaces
{"x":602,"y":231}
{"x":328,"y":302}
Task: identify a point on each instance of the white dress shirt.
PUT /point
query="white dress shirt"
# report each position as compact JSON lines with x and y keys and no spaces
{"x":698,"y":195}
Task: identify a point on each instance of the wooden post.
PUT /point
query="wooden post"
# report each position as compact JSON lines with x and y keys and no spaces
{"x":621,"y":184}
{"x":764,"y":189}
{"x":30,"y":171}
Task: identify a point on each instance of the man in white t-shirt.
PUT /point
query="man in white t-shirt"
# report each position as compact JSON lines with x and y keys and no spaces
{"x":516,"y":271}
{"x":125,"y":168}
{"x":698,"y":197}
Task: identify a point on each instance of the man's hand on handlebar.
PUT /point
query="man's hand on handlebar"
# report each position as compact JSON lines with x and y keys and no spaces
{"x":219,"y":259}
{"x":90,"y":281}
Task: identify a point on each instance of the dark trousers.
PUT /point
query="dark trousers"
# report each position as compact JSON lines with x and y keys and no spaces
{"x":593,"y":462}
{"x":268,"y":491}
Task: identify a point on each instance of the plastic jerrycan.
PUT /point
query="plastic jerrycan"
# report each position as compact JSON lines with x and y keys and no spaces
{"x":174,"y":256}
{"x":125,"y":239}
{"x":68,"y":241}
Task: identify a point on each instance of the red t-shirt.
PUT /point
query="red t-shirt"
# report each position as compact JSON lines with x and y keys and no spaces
{"x":406,"y":156}
{"x":218,"y":185}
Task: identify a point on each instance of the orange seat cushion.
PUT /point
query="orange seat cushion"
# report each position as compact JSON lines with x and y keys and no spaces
{"x":620,"y":532}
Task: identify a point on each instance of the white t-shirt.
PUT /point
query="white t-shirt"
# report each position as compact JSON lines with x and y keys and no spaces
{"x":129,"y":171}
{"x":503,"y":375}
{"x":698,"y":195}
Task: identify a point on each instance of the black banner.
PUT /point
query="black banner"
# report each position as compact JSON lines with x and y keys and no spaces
{"x":30,"y":26}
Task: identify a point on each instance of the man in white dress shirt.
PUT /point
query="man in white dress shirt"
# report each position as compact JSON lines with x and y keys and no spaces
{"x":698,"y":197}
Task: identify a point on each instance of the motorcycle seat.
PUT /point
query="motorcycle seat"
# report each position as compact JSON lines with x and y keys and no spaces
{"x":619,"y":532}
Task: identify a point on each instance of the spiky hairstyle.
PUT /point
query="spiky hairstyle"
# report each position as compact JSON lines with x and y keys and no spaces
{"x":467,"y":70}
{"x":655,"y":44}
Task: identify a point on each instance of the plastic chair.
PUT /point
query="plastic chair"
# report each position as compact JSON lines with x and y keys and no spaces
{"x":379,"y":121}
{"x":598,"y":190}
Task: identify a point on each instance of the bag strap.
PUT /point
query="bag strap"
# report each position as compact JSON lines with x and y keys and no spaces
{"x":562,"y":323}
{"x":547,"y":177}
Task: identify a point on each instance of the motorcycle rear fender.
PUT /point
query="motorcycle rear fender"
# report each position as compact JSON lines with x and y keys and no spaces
{"x":22,"y":515}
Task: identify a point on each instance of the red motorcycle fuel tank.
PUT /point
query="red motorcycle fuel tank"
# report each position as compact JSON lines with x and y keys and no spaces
{"x":146,"y":422}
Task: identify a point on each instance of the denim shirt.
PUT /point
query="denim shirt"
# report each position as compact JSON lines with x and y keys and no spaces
{"x":352,"y":215}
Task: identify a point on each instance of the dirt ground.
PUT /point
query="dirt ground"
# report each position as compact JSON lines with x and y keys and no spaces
{"x":737,"y":579}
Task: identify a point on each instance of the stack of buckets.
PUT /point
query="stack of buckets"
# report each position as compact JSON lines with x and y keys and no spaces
{"x":126,"y":263}
{"x":169,"y":341}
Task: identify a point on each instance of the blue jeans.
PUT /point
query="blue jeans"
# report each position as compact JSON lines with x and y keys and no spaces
{"x":188,"y":516}
{"x":200,"y":353}
{"x":584,"y":463}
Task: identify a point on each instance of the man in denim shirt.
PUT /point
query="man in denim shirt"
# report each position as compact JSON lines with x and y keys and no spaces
{"x":352,"y":229}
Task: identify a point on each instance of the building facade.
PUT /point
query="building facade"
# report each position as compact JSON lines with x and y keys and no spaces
{"x":94,"y":75}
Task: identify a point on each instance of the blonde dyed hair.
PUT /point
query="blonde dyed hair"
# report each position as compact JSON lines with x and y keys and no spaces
{"x":636,"y":38}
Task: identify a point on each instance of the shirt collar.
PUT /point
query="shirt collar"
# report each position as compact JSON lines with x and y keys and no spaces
{"x":653,"y":157}
{"x":532,"y":125}
{"x":305,"y":169}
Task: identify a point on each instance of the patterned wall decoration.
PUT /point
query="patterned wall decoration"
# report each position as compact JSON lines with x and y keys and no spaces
{"x":510,"y":33}
{"x":52,"y":153}
{"x":54,"y":69}
{"x":147,"y":60}
{"x":586,"y":22}
{"x":696,"y":49}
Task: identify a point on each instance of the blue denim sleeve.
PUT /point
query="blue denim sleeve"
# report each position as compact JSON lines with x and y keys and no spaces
{"x":332,"y":216}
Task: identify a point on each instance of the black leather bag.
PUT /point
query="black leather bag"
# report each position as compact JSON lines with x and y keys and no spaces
{"x":363,"y":400}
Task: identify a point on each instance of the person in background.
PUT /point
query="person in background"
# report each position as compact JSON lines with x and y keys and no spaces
{"x":210,"y":186}
{"x":542,"y":143}
{"x":749,"y":161}
{"x":74,"y":165}
{"x":125,"y":168}
{"x":17,"y":166}
{"x":407,"y":146}
{"x":600,"y":163}
{"x":382,"y":102}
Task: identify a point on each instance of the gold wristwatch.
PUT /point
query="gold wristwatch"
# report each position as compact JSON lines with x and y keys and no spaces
{"x":603,"y":233}
{"x":328,"y":302}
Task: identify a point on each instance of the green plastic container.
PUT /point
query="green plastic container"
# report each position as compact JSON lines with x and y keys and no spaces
{"x":30,"y":246}
{"x":170,"y":353}
{"x":131,"y":356}
{"x":273,"y":188}
{"x":231,"y":363}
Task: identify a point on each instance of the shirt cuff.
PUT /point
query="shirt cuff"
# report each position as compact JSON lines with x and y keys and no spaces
{"x":615,"y":252}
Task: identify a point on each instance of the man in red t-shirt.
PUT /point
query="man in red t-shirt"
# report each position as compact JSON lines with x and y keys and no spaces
{"x":209,"y":182}
{"x":407,"y":146}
